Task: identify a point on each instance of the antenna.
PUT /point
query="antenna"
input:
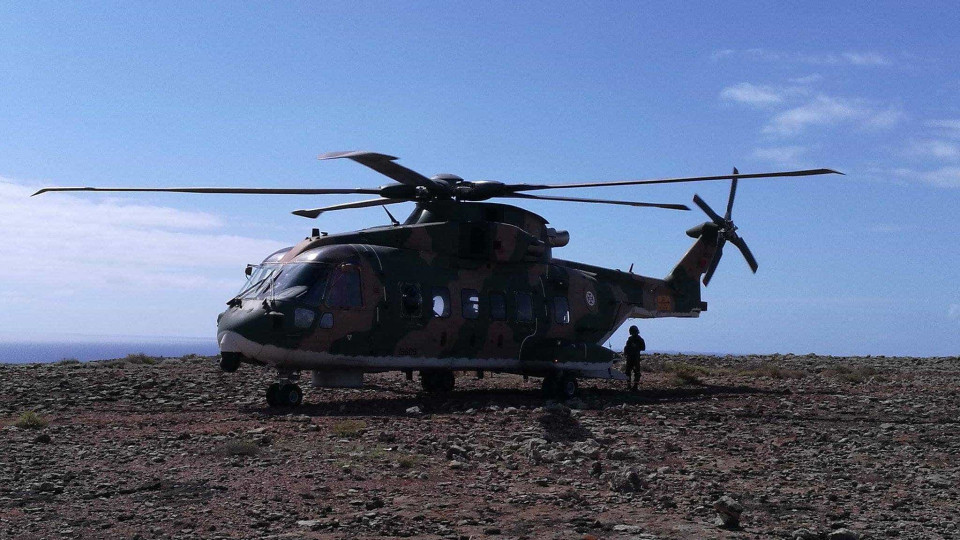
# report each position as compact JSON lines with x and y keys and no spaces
{"x":392,"y":219}
{"x":630,"y":271}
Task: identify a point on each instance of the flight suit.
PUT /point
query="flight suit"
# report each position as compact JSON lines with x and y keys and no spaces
{"x":635,"y":345}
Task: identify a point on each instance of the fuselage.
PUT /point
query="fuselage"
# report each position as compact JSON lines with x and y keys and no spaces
{"x":437,"y":294}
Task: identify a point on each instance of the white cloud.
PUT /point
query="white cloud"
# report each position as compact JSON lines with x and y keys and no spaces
{"x":866,"y":59}
{"x":783,"y":155}
{"x":935,"y":148}
{"x":826,"y":110}
{"x":822,"y":110}
{"x":882,"y":119}
{"x":722,"y":53}
{"x":890,"y":228}
{"x":953,"y":312}
{"x":71,"y":245}
{"x":751,"y":94}
{"x":848,"y":58}
{"x":944,"y":177}
{"x":951,"y":126}
{"x":809,"y":79}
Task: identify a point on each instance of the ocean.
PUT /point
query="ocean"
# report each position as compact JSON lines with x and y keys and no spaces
{"x":12,"y":352}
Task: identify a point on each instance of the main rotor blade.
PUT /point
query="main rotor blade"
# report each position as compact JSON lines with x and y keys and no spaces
{"x":713,"y":263}
{"x":314,"y":212}
{"x":599,"y":201}
{"x":533,"y":187}
{"x":259,"y":191}
{"x":709,"y":211}
{"x":742,"y":246}
{"x":733,"y":193}
{"x":383,"y":164}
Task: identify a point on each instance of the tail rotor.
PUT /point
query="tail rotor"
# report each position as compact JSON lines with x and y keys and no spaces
{"x":727,"y":231}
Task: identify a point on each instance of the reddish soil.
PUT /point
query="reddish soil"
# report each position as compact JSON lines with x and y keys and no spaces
{"x":865,"y":447}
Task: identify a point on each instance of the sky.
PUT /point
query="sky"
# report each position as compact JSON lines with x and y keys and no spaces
{"x":247,"y":94}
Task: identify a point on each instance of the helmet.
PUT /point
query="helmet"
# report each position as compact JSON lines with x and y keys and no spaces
{"x":634,"y":330}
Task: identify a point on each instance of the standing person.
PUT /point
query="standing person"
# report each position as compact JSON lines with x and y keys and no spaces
{"x":631,"y":351}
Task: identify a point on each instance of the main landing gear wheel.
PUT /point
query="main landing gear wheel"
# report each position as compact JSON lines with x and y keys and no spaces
{"x":560,"y":386}
{"x":284,"y":395}
{"x":436,"y":382}
{"x":272,"y":391}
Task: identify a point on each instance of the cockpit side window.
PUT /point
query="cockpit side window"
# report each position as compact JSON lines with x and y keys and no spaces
{"x":343,"y":290}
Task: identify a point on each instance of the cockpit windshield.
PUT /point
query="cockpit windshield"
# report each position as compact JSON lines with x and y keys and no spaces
{"x":304,"y":281}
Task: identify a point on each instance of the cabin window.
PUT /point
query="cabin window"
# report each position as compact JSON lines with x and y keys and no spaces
{"x":410,"y":299}
{"x":498,"y":306}
{"x":561,"y":310}
{"x":441,"y":302}
{"x":344,"y":288}
{"x":470,"y":303}
{"x":326,"y":320}
{"x":524,"y":307}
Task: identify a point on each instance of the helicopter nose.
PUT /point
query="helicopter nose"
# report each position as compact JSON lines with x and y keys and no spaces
{"x":250,"y":325}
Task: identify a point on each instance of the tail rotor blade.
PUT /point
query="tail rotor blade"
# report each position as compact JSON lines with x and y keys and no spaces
{"x":733,"y":193}
{"x":709,"y":211}
{"x":713,"y":264}
{"x":742,"y":246}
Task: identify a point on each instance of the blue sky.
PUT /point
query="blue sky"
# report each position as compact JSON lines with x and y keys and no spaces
{"x":227,"y":94}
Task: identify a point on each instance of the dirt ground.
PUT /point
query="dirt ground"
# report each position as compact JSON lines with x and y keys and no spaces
{"x":139,"y":448}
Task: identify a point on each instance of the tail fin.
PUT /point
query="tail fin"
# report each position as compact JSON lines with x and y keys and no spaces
{"x":685,"y":277}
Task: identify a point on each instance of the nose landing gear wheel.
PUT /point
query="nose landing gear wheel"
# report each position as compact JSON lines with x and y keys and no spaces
{"x":229,"y":362}
{"x":284,"y":395}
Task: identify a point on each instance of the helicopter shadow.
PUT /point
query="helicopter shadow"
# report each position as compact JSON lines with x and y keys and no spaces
{"x":481,"y":400}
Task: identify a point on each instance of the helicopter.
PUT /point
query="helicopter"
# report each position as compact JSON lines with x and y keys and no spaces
{"x":462,"y":285}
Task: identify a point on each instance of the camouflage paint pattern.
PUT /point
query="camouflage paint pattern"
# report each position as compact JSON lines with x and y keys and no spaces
{"x":483,"y":247}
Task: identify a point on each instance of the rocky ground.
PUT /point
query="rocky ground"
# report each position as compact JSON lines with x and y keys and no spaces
{"x":805,"y":446}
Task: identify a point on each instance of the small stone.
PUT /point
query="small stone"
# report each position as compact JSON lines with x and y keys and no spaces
{"x":728,"y":512}
{"x":627,"y":481}
{"x":312,"y":524}
{"x":804,"y":534}
{"x":455,"y":452}
{"x":843,"y":534}
{"x":414,"y":411}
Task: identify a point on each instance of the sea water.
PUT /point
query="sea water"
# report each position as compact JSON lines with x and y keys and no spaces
{"x":21,"y":352}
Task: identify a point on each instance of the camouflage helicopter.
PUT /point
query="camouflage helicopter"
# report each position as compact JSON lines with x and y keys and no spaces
{"x":461,"y":285}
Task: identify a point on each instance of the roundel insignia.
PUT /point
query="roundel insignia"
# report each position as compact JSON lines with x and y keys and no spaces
{"x":591,"y":299}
